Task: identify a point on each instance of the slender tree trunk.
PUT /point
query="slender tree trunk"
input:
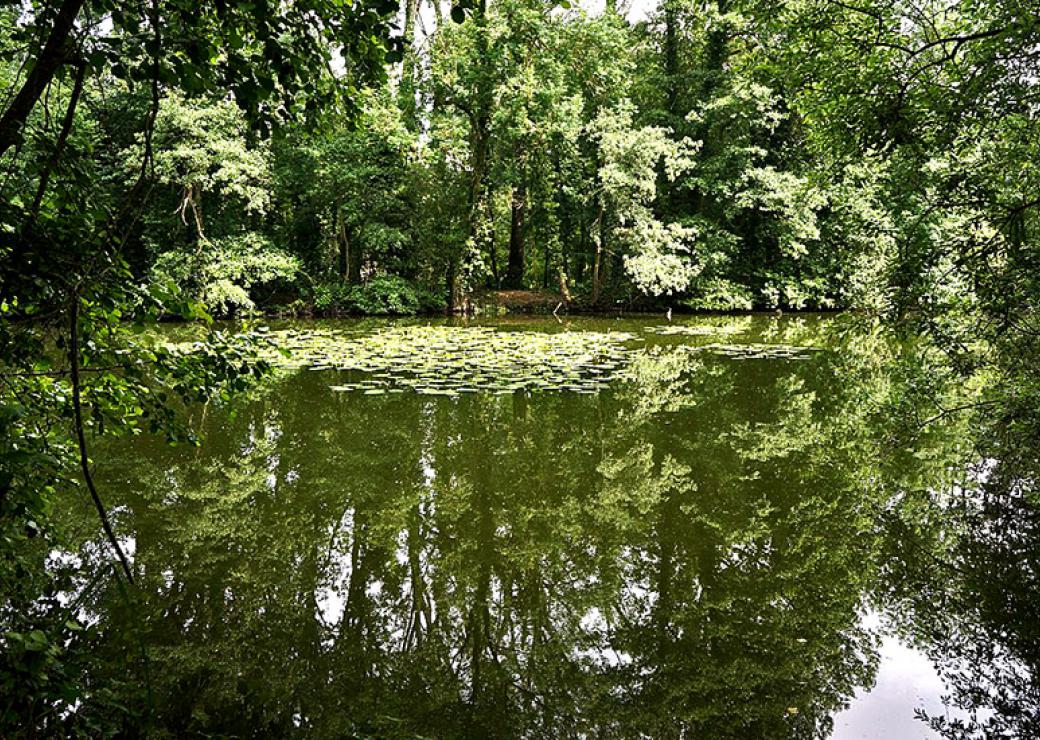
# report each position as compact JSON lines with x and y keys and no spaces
{"x":54,"y":54}
{"x":565,"y":256}
{"x":598,"y":259}
{"x":581,"y":255}
{"x":406,"y":92}
{"x":451,"y":280}
{"x":496,"y":280}
{"x":566,"y":226}
{"x":545,"y":265}
{"x":478,"y":183}
{"x":480,"y":122}
{"x":671,"y":53}
{"x":517,"y":227}
{"x":343,"y":240}
{"x":190,"y":200}
{"x":411,"y":12}
{"x":438,"y":96}
{"x":479,"y":205}
{"x":565,"y":286}
{"x":616,"y":267}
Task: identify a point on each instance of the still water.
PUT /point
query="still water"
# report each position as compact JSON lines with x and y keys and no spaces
{"x":726,"y":527}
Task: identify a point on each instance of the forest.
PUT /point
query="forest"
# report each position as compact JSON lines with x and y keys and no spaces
{"x":197,"y":199}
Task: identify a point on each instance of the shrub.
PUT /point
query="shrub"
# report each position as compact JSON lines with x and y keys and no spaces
{"x":720,"y":295}
{"x":385,"y":295}
{"x":223,"y":274}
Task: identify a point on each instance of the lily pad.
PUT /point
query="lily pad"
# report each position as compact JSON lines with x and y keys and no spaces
{"x":462,"y":359}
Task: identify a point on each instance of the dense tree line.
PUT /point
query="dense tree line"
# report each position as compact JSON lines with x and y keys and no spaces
{"x":730,"y":154}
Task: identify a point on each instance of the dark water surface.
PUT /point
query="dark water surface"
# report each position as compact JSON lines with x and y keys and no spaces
{"x":715,"y":543}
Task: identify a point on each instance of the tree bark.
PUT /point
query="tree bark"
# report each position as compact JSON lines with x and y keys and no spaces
{"x":343,"y":240}
{"x":671,"y":53}
{"x":411,"y":11}
{"x":54,"y":54}
{"x":480,"y":134}
{"x":545,"y":265}
{"x":406,"y":91}
{"x":517,"y":228}
{"x":598,"y":259}
{"x":496,"y":279}
{"x":451,"y":278}
{"x":580,"y":255}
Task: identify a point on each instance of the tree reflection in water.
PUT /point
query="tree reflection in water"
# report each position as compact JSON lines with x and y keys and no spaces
{"x":971,"y":597}
{"x":687,"y":554}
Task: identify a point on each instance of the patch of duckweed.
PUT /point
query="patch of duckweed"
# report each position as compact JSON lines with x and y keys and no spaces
{"x":450,"y":361}
{"x":694,"y":330}
{"x":758,"y":351}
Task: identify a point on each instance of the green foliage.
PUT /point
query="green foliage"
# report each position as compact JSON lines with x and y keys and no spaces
{"x":658,"y":253}
{"x":121,"y":158}
{"x":720,"y":295}
{"x":577,"y":529}
{"x":213,"y":192}
{"x":384,"y":295}
{"x":226,"y":273}
{"x":187,"y":160}
{"x":201,"y":151}
{"x":130,"y":384}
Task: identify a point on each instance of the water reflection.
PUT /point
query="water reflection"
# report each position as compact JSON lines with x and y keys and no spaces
{"x":972,"y":598}
{"x":690,"y":553}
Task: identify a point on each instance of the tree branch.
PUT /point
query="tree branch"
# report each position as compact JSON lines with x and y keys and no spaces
{"x":59,"y":147}
{"x":81,"y":439}
{"x":51,"y":57}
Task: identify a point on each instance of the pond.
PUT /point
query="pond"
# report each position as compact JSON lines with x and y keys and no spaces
{"x":711,"y":527}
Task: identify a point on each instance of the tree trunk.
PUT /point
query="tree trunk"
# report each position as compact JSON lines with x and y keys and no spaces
{"x":480,"y":132}
{"x":81,"y":439}
{"x":565,"y":288}
{"x":411,"y":11}
{"x":496,"y":279}
{"x":598,"y":259}
{"x":406,"y":91}
{"x":55,"y":52}
{"x":438,"y":15}
{"x":545,"y":265}
{"x":517,"y":226}
{"x":344,"y":248}
{"x":455,"y":302}
{"x":566,"y":225}
{"x":581,"y":255}
{"x":671,"y":53}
